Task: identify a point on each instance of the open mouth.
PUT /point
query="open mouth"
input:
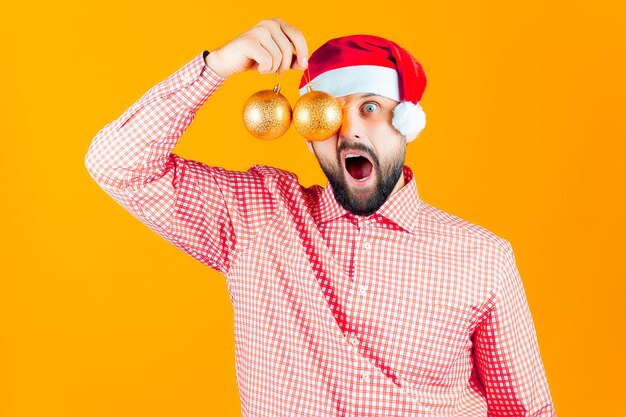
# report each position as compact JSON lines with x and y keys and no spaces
{"x":358,"y":166}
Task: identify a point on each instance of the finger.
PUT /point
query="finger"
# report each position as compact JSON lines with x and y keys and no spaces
{"x":299,"y":42}
{"x":261,"y":56}
{"x":266,"y":40}
{"x":286,"y":49}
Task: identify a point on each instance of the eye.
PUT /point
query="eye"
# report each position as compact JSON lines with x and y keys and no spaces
{"x":370,"y":107}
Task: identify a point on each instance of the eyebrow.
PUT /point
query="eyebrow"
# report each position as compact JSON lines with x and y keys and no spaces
{"x":369,"y":95}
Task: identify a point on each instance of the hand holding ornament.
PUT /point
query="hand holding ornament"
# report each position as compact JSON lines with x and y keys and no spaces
{"x":271,"y":46}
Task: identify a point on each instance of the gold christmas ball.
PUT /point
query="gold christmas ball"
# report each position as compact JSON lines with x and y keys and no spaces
{"x":317,"y":115}
{"x":267,"y":114}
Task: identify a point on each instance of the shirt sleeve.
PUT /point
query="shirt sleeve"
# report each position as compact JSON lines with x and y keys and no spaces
{"x":208,"y":212}
{"x":507,"y":353}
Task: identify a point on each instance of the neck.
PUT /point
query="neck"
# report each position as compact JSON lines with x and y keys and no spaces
{"x":399,"y":185}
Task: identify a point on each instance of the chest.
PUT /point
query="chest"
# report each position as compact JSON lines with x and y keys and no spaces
{"x":406,"y":302}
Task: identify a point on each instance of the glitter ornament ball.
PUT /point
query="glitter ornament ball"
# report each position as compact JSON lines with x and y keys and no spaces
{"x":317,"y":115}
{"x":267,"y":114}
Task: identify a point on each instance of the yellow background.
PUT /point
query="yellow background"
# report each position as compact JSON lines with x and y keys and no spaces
{"x":525,"y":136}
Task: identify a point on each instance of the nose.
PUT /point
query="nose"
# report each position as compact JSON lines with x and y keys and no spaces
{"x":351,"y":126}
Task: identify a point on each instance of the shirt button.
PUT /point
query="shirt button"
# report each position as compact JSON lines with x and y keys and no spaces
{"x":367,"y":246}
{"x":365,"y":376}
{"x":354,"y":341}
{"x":362,"y":289}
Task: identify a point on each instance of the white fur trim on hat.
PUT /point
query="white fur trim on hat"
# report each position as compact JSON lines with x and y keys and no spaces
{"x":344,"y":81}
{"x":409,"y":119}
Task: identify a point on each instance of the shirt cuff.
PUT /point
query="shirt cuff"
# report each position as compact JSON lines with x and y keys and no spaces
{"x":195,"y":82}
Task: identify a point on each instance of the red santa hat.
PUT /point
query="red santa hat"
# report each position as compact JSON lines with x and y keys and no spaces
{"x":370,"y":64}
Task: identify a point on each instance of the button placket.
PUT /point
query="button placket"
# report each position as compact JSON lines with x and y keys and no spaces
{"x":363,"y":246}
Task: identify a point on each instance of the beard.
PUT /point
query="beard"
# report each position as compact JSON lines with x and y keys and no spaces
{"x":364,"y":202}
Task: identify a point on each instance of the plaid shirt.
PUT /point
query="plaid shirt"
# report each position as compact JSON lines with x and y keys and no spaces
{"x":408,"y":312}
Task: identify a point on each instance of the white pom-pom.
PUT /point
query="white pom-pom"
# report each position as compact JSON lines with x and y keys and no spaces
{"x":409,"y":119}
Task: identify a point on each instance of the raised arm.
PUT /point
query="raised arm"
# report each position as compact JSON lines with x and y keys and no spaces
{"x":207,"y":212}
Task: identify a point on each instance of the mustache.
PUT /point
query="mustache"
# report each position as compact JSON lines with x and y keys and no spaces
{"x":357,"y":146}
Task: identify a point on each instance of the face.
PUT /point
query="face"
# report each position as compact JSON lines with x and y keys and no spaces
{"x":364,"y":160}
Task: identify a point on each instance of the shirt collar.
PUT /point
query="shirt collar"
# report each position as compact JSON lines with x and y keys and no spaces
{"x":400,"y":208}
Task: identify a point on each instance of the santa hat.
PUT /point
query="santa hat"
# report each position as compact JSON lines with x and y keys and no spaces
{"x":370,"y":64}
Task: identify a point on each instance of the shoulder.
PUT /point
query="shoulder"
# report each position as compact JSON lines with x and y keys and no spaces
{"x":484,"y":257}
{"x":447,"y":226}
{"x":275,"y":179}
{"x":286,"y":184}
{"x":257,"y":176}
{"x":272,"y":172}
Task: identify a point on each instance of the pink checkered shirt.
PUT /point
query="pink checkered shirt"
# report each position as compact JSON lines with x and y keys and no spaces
{"x":408,"y":312}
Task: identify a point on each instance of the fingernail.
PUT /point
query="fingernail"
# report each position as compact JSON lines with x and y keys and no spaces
{"x":303,"y":61}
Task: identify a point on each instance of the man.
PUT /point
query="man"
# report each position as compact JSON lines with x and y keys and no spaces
{"x":357,"y":299}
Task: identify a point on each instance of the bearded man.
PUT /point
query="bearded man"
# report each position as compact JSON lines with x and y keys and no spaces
{"x":353,"y":299}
